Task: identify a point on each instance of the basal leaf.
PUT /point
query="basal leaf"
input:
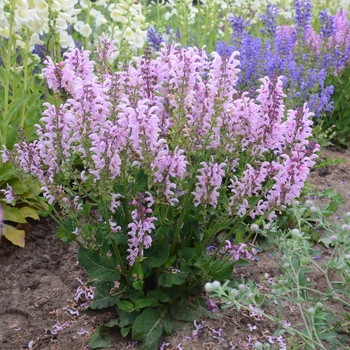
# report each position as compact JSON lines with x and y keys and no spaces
{"x":148,"y":328}
{"x":156,"y":257}
{"x":102,"y":297}
{"x":97,"y":266}
{"x":146,"y":302}
{"x":29,"y":212}
{"x":13,"y":214}
{"x":220,"y":271}
{"x":159,"y":295}
{"x":125,"y":305}
{"x":183,"y":310}
{"x":15,"y":236}
{"x":168,"y":279}
{"x":100,"y":340}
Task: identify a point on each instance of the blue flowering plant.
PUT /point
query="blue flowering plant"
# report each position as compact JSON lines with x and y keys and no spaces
{"x":160,"y":172}
{"x":303,"y":57}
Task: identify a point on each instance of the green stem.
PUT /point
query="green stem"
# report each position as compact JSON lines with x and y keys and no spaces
{"x":7,"y":63}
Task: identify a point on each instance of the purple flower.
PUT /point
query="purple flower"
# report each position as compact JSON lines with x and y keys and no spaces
{"x":83,"y":331}
{"x":154,"y":38}
{"x":212,"y":307}
{"x":327,"y":24}
{"x":209,"y":183}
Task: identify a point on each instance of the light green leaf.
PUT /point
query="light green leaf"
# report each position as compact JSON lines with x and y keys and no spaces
{"x":13,"y":214}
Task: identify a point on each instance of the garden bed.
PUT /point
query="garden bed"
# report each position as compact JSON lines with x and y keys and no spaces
{"x":38,"y":286}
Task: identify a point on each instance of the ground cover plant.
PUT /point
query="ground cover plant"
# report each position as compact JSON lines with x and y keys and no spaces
{"x":163,"y":165}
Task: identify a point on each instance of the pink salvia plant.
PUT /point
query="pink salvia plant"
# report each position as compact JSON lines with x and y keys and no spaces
{"x":177,"y":119}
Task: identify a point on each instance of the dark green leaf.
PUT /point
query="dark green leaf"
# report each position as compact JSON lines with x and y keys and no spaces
{"x":183,"y":311}
{"x":156,"y":256}
{"x":126,"y":318}
{"x":221,"y":271}
{"x":141,"y":183}
{"x":97,"y":266}
{"x":146,"y":302}
{"x":100,"y":340}
{"x":168,"y":279}
{"x":125,"y":331}
{"x":159,"y":295}
{"x":148,"y":327}
{"x":102,"y":297}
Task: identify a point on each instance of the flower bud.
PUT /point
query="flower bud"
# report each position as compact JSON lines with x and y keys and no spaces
{"x":254,"y":227}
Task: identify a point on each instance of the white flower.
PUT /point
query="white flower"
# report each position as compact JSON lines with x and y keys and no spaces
{"x":139,"y":18}
{"x":22,"y":3}
{"x":21,"y":44}
{"x":139,"y":42}
{"x":35,"y":40}
{"x":41,"y":6}
{"x":5,"y":32}
{"x":118,"y":16}
{"x":66,"y":40}
{"x":129,"y":34}
{"x":84,"y":3}
{"x":56,"y":6}
{"x":98,"y":17}
{"x":61,"y":24}
{"x":85,"y":30}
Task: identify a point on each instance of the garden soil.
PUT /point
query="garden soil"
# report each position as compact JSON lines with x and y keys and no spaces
{"x":38,"y":285}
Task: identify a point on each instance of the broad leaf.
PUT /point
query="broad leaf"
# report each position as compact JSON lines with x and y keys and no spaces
{"x":168,"y":279}
{"x":13,"y":214}
{"x":97,"y":266}
{"x":102,"y":337}
{"x":15,"y":236}
{"x":29,"y":212}
{"x":220,"y":271}
{"x":148,"y":327}
{"x":183,"y":311}
{"x":102,"y":297}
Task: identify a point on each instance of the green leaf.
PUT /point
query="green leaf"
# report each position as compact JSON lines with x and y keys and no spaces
{"x":328,"y":336}
{"x":148,"y":327}
{"x":159,"y":295}
{"x":6,"y":173}
{"x":168,"y":279}
{"x":221,"y":271}
{"x":102,"y":297}
{"x":125,"y":331}
{"x":98,"y":340}
{"x":183,"y":311}
{"x":102,"y":337}
{"x":16,"y":104}
{"x":138,"y":285}
{"x":97,"y":266}
{"x":146,"y":302}
{"x":141,"y":183}
{"x":125,"y":305}
{"x":156,"y":256}
{"x":13,"y":214}
{"x":126,"y":318}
